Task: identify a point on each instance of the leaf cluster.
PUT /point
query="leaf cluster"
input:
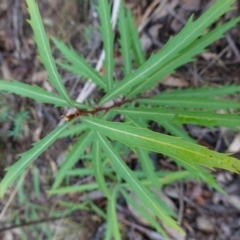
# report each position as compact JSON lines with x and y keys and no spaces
{"x":110,"y":141}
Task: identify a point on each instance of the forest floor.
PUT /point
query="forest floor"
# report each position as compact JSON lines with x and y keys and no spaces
{"x":204,"y":213}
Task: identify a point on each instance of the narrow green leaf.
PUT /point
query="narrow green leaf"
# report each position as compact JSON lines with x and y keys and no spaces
{"x":80,"y":66}
{"x":164,"y":179}
{"x":156,"y":142}
{"x":147,"y":165}
{"x":191,"y":31}
{"x":186,"y":55}
{"x":44,"y":49}
{"x":135,"y":40}
{"x":144,"y":158}
{"x":74,"y":69}
{"x":143,"y":193}
{"x":209,"y":119}
{"x":74,"y":206}
{"x":73,"y":156}
{"x":80,"y":172}
{"x":201,"y":174}
{"x":74,"y":189}
{"x":170,"y":178}
{"x":191,"y":102}
{"x":15,"y":171}
{"x":97,"y":210}
{"x":87,"y":172}
{"x":36,"y":93}
{"x":73,"y":130}
{"x":36,"y":182}
{"x":125,"y":40}
{"x":106,"y":30}
{"x":112,"y":220}
{"x":22,"y":198}
{"x":98,"y":170}
{"x":202,"y":92}
{"x":175,"y":130}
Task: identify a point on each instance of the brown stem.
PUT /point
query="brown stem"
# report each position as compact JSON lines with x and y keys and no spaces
{"x":82,"y":112}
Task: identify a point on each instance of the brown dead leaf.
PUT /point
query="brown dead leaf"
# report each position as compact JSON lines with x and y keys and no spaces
{"x":204,"y":224}
{"x":6,"y":71}
{"x":234,"y":200}
{"x":235,"y":145}
{"x":174,"y":234}
{"x":163,"y":9}
{"x":39,"y":77}
{"x":146,"y":42}
{"x":37,"y":134}
{"x":174,"y":81}
{"x":9,"y":37}
{"x":209,"y":56}
{"x":48,"y":86}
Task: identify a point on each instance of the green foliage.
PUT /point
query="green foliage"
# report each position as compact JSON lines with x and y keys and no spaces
{"x":109,"y":141}
{"x":19,"y":122}
{"x":79,"y":65}
{"x":35,"y":92}
{"x":26,"y":158}
{"x":44,"y":49}
{"x":191,"y":31}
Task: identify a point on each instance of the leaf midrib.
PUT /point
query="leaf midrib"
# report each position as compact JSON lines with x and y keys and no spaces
{"x":145,"y":138}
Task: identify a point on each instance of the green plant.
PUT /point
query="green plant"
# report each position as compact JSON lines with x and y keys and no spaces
{"x":18,"y":120}
{"x":111,"y":141}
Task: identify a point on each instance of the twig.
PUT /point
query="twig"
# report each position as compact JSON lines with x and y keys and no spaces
{"x":83,"y":112}
{"x":181,"y":202}
{"x":233,"y":46}
{"x":214,"y":60}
